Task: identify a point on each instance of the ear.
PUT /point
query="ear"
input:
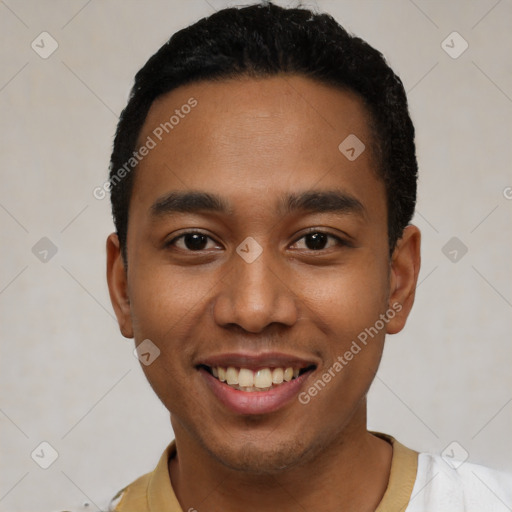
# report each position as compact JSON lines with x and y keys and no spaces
{"x":118,"y":286}
{"x":404,"y":270}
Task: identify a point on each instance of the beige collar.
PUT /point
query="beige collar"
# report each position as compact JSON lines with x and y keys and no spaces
{"x":153,"y":492}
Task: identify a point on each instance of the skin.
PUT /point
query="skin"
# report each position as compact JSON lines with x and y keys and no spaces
{"x":253,"y":142}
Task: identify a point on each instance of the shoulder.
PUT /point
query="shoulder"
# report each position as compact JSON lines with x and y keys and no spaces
{"x":133,"y":497}
{"x":454,"y":485}
{"x":154,"y":487}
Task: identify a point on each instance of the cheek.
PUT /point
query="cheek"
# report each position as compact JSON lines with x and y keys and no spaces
{"x":346,"y":306}
{"x":165,"y":309}
{"x":164,"y":298}
{"x":347,"y":299}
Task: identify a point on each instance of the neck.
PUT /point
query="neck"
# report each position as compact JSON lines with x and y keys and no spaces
{"x":351,"y":473}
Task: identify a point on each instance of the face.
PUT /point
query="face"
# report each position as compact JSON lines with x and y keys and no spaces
{"x":258,"y":253}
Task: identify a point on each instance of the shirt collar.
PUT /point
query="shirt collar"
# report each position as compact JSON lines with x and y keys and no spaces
{"x":154,"y":490}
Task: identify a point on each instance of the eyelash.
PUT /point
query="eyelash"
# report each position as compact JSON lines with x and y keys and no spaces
{"x":339,"y":241}
{"x":171,"y":243}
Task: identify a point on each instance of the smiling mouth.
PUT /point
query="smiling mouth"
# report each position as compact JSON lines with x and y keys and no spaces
{"x":263,"y":379}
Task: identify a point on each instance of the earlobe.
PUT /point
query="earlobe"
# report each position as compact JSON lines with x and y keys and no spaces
{"x":404,"y":270}
{"x":118,"y":286}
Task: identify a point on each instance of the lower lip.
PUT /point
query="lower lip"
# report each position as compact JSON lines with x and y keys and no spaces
{"x":255,"y":402}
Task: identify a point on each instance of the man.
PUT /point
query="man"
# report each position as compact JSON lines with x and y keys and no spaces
{"x":263,"y":179}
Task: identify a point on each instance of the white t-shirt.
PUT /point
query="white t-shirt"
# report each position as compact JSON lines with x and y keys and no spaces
{"x":444,"y":485}
{"x":418,"y":482}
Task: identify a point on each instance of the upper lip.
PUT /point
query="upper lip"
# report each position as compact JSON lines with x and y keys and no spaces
{"x":256,"y":361}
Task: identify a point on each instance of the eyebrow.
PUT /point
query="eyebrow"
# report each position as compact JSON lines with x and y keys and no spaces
{"x":323,"y":202}
{"x":311,"y":201}
{"x":189,"y":202}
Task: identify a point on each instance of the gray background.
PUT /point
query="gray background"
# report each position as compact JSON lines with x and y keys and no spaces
{"x":67,"y":375}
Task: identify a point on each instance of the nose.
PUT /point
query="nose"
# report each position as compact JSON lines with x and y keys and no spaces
{"x":253,"y":296}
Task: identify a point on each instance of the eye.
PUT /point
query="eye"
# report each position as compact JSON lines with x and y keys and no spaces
{"x":317,"y":241}
{"x":193,"y":241}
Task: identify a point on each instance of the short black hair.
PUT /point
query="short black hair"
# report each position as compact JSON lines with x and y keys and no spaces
{"x":265,"y":40}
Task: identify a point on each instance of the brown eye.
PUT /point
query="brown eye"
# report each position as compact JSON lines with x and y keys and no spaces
{"x":193,"y":241}
{"x":316,"y":241}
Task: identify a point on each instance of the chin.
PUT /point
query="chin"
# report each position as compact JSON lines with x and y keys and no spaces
{"x":262,"y":457}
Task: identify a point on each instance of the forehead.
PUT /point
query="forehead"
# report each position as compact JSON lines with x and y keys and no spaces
{"x":250,"y":138}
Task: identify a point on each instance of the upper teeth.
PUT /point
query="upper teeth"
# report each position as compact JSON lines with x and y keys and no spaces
{"x":261,"y":379}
